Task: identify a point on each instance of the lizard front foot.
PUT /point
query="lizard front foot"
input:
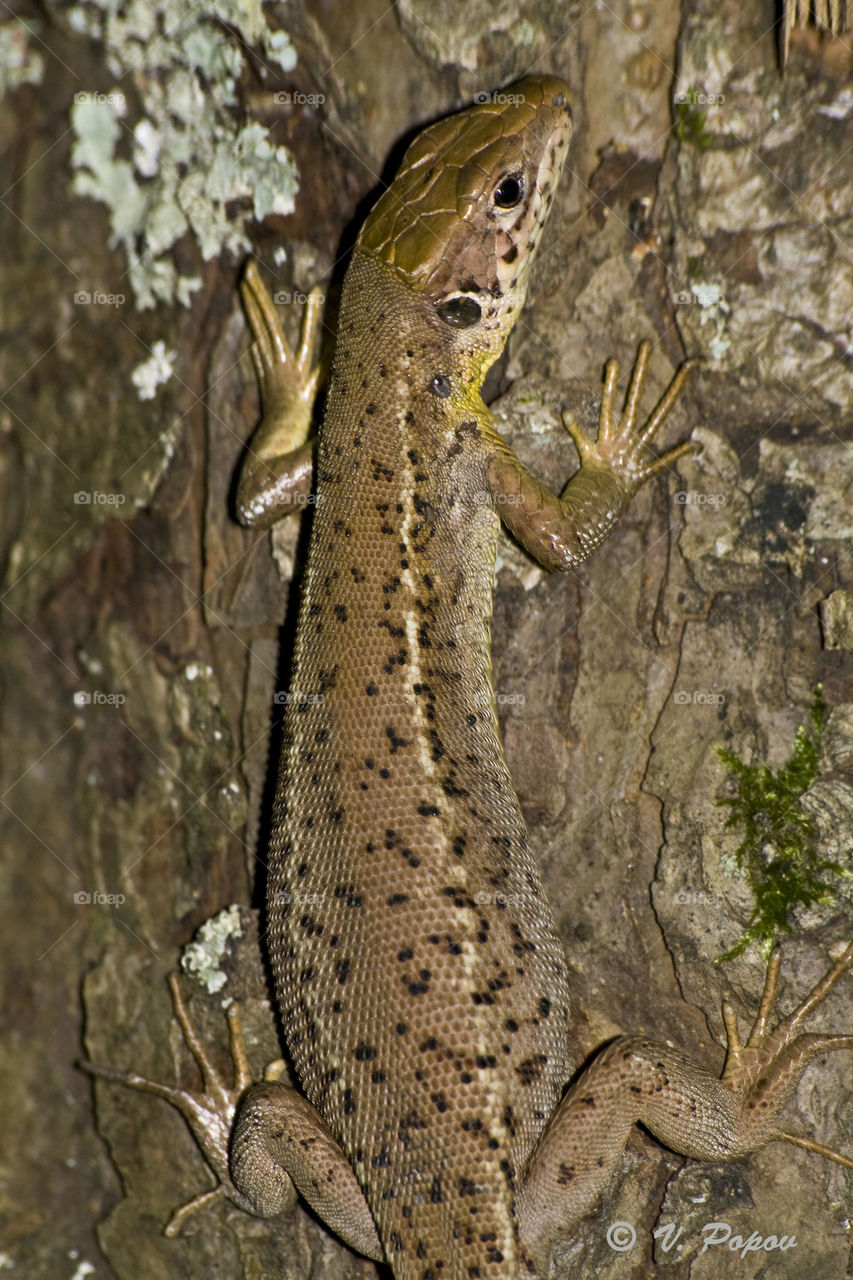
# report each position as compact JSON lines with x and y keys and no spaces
{"x":276,"y":473}
{"x":561,"y":532}
{"x":620,"y":449}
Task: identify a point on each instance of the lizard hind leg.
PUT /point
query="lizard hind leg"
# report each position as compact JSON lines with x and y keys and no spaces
{"x":636,"y":1080}
{"x":262,"y":1142}
{"x":279,"y":1141}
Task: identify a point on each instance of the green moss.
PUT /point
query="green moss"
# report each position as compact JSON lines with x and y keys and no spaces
{"x":690,"y":123}
{"x":777,"y":853}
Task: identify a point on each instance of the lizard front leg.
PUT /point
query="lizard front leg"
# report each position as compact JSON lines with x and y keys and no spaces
{"x":277,"y":472}
{"x":263,"y":1142}
{"x":561,"y":532}
{"x":638,"y":1081}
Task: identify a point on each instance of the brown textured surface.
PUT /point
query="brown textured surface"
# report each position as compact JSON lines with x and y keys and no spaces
{"x":616,"y":773}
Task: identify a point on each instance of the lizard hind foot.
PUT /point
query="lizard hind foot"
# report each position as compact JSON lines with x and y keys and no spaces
{"x":208,"y":1113}
{"x":746,"y":1062}
{"x":766,"y":1069}
{"x":175,"y":1225}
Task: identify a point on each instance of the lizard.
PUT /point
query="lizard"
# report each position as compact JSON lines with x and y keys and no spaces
{"x":418,"y":971}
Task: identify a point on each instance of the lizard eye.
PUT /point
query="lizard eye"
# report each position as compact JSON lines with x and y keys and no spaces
{"x":509,"y":191}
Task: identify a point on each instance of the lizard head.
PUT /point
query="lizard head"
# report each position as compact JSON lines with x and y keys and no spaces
{"x":462,"y":220}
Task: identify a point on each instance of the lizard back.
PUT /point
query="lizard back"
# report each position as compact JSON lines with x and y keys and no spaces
{"x":418,"y":967}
